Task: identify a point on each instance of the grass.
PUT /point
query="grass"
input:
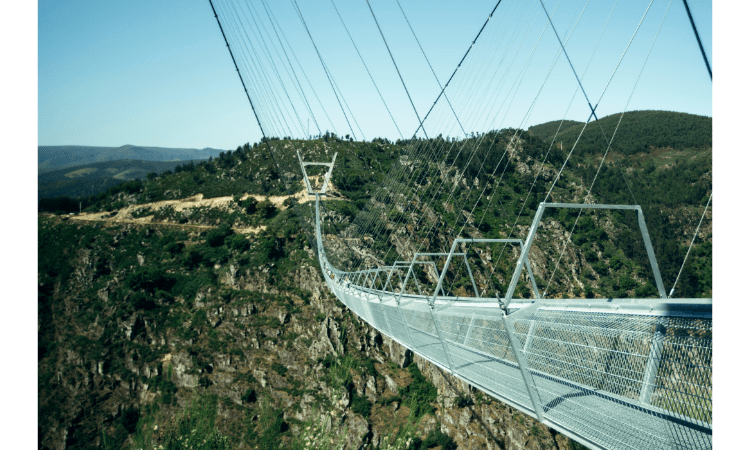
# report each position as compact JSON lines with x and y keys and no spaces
{"x":193,"y":428}
{"x":318,"y":434}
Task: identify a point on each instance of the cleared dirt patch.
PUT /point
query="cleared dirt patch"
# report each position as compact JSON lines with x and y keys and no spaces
{"x":81,"y":172}
{"x":145,"y":211}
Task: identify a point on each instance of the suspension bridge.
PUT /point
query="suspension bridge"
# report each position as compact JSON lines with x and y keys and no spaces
{"x":612,"y":373}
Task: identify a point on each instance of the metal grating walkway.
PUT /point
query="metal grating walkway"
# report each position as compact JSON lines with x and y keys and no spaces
{"x":611,"y":374}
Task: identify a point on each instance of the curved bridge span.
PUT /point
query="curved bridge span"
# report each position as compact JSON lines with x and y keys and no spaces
{"x":609,"y":373}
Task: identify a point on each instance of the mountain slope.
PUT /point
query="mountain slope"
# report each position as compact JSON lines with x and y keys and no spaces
{"x":159,"y":307}
{"x":641,"y":131}
{"x":93,"y":178}
{"x":548,"y":130}
{"x":55,"y":157}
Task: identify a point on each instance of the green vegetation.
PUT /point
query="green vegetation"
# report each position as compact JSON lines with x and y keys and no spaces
{"x":418,"y":395}
{"x":361,"y":405}
{"x":192,"y":428}
{"x":433,"y":439}
{"x":115,"y":299}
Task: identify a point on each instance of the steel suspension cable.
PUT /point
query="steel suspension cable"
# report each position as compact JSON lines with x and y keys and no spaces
{"x":270,"y":151}
{"x":396,"y":66}
{"x":273,"y":66}
{"x":552,"y":142}
{"x":600,"y":97}
{"x":255,"y":111}
{"x":593,"y":109}
{"x":367,"y":69}
{"x":328,"y":75}
{"x":455,"y":70}
{"x":604,"y":157}
{"x":281,"y":44}
{"x":528,"y":112}
{"x":428,"y":63}
{"x":294,"y":55}
{"x":262,"y":74}
{"x":671,"y":292}
{"x":698,"y":38}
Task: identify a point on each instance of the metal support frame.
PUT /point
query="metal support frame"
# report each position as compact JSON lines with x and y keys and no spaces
{"x":698,"y":308}
{"x":414,"y":275}
{"x":523,"y":260}
{"x":654,"y":357}
{"x":431,"y":304}
{"x":529,"y":334}
{"x":535,"y":225}
{"x":326,"y":178}
{"x":528,"y":380}
{"x":468,"y":330}
{"x":411,"y":272}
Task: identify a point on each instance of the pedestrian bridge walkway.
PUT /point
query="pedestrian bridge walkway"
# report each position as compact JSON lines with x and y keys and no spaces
{"x":609,"y":373}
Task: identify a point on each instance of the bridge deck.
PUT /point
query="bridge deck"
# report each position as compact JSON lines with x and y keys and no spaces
{"x":587,"y":367}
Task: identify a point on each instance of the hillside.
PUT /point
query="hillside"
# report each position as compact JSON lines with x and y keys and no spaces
{"x":547,"y":131}
{"x":93,"y":178}
{"x":56,"y":157}
{"x":193,"y":300}
{"x":641,"y":131}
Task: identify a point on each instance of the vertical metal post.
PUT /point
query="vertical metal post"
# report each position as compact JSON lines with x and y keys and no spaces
{"x":524,"y":253}
{"x":442,"y":291}
{"x":468,"y":269}
{"x":521,"y":358}
{"x":432,"y":307}
{"x":442,"y":339}
{"x":531,"y":277}
{"x":398,"y":303}
{"x":419,"y":289}
{"x":442,"y":274}
{"x":406,"y":280}
{"x":388,"y":282}
{"x":385,"y":317}
{"x":652,"y":367}
{"x":650,"y":252}
{"x":471,"y":325}
{"x":530,"y":333}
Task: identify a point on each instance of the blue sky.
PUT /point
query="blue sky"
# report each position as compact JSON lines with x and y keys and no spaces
{"x":158,"y":73}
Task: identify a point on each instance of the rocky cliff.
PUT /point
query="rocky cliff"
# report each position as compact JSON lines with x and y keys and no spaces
{"x":128,"y":348}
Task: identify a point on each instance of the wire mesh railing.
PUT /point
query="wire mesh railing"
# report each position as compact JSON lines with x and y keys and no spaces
{"x":607,"y":379}
{"x":630,"y":373}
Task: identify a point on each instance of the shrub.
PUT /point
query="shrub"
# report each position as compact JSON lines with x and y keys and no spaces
{"x":249,"y":396}
{"x":281,"y":370}
{"x":250,"y":205}
{"x":463,"y":401}
{"x":419,"y":394}
{"x":217,"y":236}
{"x":437,"y":437}
{"x":238,"y":242}
{"x":361,"y":405}
{"x":174,"y":247}
{"x":193,"y":258}
{"x":141,"y":301}
{"x":150,"y":279}
{"x":267,"y":209}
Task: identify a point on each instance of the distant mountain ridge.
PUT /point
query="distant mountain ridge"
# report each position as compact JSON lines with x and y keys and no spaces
{"x":639,"y":131}
{"x":93,"y":178}
{"x":56,"y":157}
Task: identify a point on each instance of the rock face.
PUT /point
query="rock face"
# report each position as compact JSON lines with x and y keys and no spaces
{"x":256,"y":345}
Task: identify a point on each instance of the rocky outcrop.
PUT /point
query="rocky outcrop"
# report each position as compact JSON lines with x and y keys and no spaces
{"x":272,"y":347}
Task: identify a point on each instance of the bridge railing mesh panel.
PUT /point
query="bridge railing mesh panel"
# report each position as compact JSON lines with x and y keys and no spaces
{"x":480,"y":350}
{"x":628,"y":381}
{"x":618,"y":380}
